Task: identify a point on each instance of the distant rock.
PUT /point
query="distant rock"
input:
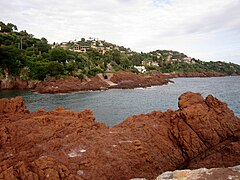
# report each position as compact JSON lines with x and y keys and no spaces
{"x":120,"y":79}
{"x":59,"y":86}
{"x":63,"y":144}
{"x":195,"y":74}
{"x":9,"y":84}
{"x":129,"y":80}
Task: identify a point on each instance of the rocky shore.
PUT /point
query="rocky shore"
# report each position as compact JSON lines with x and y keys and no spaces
{"x":120,"y":80}
{"x":17,"y":83}
{"x":63,"y":144}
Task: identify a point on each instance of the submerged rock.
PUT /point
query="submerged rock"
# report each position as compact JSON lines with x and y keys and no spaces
{"x":63,"y":144}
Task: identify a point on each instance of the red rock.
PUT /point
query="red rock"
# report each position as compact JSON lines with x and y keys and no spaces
{"x":128,"y":80}
{"x":95,"y":83}
{"x":9,"y":84}
{"x":70,"y":85}
{"x":187,"y":99}
{"x":63,"y":144}
{"x":15,"y":105}
{"x":195,"y":74}
{"x":123,"y":79}
{"x":21,"y":84}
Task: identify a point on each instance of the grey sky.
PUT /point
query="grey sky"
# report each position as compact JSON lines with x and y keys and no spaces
{"x":206,"y":29}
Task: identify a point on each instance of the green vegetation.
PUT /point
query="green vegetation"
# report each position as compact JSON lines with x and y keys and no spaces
{"x":23,"y":55}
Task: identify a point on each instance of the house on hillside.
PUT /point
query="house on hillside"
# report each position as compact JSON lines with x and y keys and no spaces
{"x":64,"y":45}
{"x":140,"y":69}
{"x":99,"y":47}
{"x":150,"y":63}
{"x":187,"y":59}
{"x":81,"y":49}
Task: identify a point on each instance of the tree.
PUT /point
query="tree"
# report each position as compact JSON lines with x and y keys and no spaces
{"x":7,"y":28}
{"x":11,"y":58}
{"x":58,"y":54}
{"x":94,"y":56}
{"x":42,"y":45}
{"x":137,"y":59}
{"x":116,"y":56}
{"x":55,"y":69}
{"x":124,"y":62}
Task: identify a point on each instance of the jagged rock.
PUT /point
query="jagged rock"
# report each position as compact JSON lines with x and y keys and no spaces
{"x":67,"y":144}
{"x":14,"y":105}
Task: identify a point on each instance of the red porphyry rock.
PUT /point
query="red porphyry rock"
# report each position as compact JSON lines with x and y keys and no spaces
{"x":59,"y":86}
{"x":63,"y":144}
{"x":129,"y":80}
{"x":14,"y":105}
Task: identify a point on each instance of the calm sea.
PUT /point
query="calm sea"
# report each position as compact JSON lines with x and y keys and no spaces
{"x":113,"y":106}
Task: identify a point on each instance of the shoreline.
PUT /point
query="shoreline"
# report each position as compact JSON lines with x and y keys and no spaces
{"x":119,"y":80}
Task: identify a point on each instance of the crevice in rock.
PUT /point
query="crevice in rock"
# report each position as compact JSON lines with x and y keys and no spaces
{"x":206,"y":144}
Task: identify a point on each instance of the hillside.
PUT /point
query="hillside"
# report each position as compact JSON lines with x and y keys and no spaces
{"x":29,"y":58}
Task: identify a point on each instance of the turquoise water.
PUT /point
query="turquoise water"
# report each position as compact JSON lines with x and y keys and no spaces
{"x":113,"y":106}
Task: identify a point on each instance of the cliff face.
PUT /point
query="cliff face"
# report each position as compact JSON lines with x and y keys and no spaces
{"x":72,"y":145}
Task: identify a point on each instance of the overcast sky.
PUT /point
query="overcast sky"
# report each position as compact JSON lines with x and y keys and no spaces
{"x":203,"y":29}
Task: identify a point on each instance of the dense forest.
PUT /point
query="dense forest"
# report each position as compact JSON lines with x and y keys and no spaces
{"x":23,"y":55}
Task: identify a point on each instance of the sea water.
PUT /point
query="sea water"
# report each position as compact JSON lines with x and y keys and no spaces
{"x":115,"y":105}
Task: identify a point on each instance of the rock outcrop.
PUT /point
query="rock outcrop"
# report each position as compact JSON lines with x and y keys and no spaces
{"x":71,"y":84}
{"x":195,"y":74}
{"x":129,"y":80}
{"x":121,"y":79}
{"x":63,"y":144}
{"x":17,"y":83}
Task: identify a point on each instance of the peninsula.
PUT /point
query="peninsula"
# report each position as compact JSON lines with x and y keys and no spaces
{"x":27,"y":62}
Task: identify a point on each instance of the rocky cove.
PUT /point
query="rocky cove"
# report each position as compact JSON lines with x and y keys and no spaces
{"x":64,"y":144}
{"x":119,"y":80}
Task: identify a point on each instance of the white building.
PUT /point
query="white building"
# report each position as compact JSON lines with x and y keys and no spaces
{"x":141,"y":69}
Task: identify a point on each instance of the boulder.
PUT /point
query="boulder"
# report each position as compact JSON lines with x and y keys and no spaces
{"x":202,"y":173}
